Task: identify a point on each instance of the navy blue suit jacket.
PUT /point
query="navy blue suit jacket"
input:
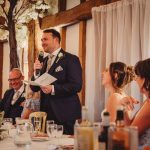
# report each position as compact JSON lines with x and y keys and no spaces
{"x":11,"y":111}
{"x":65,"y":104}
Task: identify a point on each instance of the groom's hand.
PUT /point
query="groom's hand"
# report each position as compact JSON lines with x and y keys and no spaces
{"x":46,"y":89}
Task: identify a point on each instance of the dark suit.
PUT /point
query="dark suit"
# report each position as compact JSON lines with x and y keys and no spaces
{"x":11,"y":111}
{"x":64,"y":107}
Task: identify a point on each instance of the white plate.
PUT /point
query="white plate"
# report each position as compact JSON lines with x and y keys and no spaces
{"x":40,"y":138}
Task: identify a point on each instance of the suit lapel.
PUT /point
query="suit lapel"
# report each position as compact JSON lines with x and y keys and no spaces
{"x":21,"y":98}
{"x":10,"y":97}
{"x":44,"y":65}
{"x":9,"y":101}
{"x":57,"y":61}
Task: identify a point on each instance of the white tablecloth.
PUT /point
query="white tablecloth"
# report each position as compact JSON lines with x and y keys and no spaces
{"x":8,"y":144}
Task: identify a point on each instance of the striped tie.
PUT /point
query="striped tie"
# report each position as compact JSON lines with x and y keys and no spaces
{"x":15,"y":97}
{"x":49,"y":62}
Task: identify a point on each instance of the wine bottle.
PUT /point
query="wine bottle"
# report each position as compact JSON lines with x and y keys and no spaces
{"x":103,"y":137}
{"x":119,"y":135}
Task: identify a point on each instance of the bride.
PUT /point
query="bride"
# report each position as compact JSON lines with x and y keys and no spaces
{"x":115,"y":78}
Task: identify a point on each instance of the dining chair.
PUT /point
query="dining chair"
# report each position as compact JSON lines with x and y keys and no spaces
{"x":41,"y":117}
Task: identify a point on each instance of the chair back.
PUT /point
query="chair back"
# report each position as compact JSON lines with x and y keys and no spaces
{"x":38,"y":116}
{"x":1,"y":117}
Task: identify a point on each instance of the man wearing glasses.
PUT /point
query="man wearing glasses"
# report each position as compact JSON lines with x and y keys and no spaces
{"x":13,"y":98}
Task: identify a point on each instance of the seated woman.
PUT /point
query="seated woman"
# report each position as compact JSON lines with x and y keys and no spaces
{"x":32,"y":104}
{"x":142,"y":118}
{"x":115,"y":78}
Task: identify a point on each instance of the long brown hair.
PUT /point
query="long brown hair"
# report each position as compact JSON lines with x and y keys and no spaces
{"x":142,"y":69}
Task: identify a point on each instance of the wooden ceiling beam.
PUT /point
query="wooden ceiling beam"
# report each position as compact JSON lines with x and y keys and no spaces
{"x":76,"y":14}
{"x":82,"y":1}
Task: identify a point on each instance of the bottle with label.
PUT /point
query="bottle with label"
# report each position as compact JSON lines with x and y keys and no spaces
{"x":119,"y":135}
{"x":83,"y":132}
{"x":103,"y":137}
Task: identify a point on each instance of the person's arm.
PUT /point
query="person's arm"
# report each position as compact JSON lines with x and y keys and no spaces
{"x":37,"y":65}
{"x":26,"y":109}
{"x":128,"y":103}
{"x":2,"y":101}
{"x":142,"y":119}
{"x":112,"y":105}
{"x":26,"y":113}
{"x":1,"y":105}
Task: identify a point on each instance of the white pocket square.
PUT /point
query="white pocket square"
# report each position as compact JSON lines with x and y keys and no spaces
{"x":59,"y":68}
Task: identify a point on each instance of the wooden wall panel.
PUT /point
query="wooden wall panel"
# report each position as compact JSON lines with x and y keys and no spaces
{"x":31,"y":47}
{"x":63,"y":37}
{"x":82,"y":56}
{"x":1,"y":68}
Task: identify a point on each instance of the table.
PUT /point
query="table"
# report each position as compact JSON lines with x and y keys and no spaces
{"x":8,"y":144}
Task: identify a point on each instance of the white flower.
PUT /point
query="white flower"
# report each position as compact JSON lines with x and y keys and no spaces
{"x":60,"y":56}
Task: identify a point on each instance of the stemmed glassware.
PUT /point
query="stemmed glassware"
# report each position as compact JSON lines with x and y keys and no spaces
{"x":8,"y":124}
{"x":49,"y":122}
{"x":52,"y":130}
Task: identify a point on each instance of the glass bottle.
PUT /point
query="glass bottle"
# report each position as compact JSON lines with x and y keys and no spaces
{"x":83,"y":132}
{"x":119,"y":135}
{"x":103,"y":137}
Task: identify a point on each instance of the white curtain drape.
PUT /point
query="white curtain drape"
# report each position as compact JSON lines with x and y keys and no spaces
{"x":122,"y":33}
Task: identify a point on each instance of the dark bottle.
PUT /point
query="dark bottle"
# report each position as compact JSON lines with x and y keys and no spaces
{"x":103,"y":137}
{"x":119,"y":135}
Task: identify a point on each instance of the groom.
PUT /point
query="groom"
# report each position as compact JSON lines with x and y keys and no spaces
{"x":60,"y":99}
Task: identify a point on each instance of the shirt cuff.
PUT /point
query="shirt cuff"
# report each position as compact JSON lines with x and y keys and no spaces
{"x":53,"y":90}
{"x":35,"y":76}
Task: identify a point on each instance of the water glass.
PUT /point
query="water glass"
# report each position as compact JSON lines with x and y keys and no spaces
{"x":60,"y":131}
{"x":8,"y":123}
{"x":49,"y":122}
{"x":23,"y":134}
{"x":52,"y":130}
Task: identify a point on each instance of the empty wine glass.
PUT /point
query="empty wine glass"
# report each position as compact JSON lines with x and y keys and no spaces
{"x":49,"y":122}
{"x":8,"y":123}
{"x":59,"y":132}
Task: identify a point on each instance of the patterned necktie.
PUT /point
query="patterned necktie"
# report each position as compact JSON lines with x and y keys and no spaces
{"x":49,"y":62}
{"x":15,"y":97}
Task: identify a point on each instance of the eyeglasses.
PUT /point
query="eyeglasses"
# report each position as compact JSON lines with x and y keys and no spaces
{"x":14,"y":79}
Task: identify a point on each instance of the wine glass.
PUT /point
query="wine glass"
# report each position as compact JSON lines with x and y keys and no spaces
{"x":52,"y":130}
{"x":59,"y":132}
{"x":49,"y":122}
{"x":8,"y":122}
